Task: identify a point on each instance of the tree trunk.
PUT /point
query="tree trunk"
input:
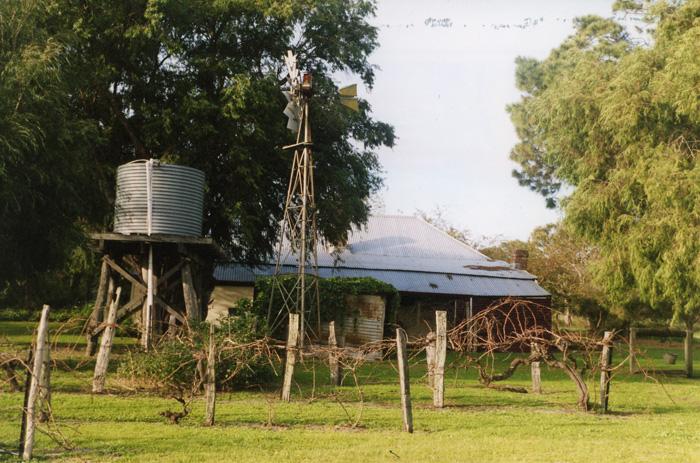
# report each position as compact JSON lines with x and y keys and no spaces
{"x":575,"y":376}
{"x":605,"y":362}
{"x":688,"y":350}
{"x":633,"y":350}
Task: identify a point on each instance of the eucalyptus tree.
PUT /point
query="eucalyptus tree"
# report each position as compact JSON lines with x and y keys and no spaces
{"x":616,"y":116}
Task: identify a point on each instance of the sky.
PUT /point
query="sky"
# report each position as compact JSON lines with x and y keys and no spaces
{"x":446,"y":74}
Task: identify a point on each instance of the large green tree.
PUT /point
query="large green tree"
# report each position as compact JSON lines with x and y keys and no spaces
{"x":46,"y":190}
{"x":616,"y":116}
{"x":196,"y":83}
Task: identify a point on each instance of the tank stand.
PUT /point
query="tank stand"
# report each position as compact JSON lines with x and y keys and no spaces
{"x":175,"y":300}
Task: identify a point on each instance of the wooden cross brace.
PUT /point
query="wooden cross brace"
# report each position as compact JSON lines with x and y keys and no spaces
{"x":142,"y":286}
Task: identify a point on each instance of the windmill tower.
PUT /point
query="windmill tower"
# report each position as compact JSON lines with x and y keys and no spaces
{"x":299,"y":236}
{"x":297,"y":246}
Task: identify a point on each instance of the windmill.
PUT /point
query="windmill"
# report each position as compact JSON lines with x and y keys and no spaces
{"x":297,"y":245}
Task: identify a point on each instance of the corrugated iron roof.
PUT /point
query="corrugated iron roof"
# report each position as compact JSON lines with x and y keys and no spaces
{"x":413,"y":256}
{"x":414,"y":282}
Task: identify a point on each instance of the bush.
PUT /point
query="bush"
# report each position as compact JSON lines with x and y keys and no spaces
{"x":176,"y":364}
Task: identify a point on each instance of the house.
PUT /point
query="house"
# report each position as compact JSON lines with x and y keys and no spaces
{"x":430,"y":269}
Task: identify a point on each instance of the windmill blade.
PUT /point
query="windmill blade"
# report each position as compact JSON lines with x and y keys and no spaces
{"x":291,"y":110}
{"x":348,"y":97}
{"x":293,"y":125}
{"x":293,"y":113}
{"x":350,"y":103}
{"x":290,"y":60}
{"x":349,"y":91}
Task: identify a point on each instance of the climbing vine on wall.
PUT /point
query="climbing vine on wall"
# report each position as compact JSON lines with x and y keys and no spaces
{"x":332,"y":295}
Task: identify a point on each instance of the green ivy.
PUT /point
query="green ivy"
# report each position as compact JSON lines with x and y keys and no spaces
{"x":332,"y":295}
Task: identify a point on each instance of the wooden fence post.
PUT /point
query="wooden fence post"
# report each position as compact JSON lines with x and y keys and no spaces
{"x":404,"y":380}
{"x":210,"y":388}
{"x":39,"y":357}
{"x":102,"y":362}
{"x":292,"y":341}
{"x":45,"y":385}
{"x":633,"y":350}
{"x":333,"y":361}
{"x":605,"y":362}
{"x":535,"y":372}
{"x":440,"y":357}
{"x":430,"y":358}
{"x":27,"y":388}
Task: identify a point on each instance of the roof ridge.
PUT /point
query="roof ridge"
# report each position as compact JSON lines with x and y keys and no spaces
{"x":463,"y":244}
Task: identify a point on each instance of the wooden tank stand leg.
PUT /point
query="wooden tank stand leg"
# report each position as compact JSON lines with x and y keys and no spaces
{"x":97,"y":314}
{"x":189,"y":293}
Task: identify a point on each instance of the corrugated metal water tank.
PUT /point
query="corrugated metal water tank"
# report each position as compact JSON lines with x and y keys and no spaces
{"x":177,"y":196}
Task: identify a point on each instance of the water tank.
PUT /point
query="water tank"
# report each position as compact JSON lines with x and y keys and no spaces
{"x":176,"y":195}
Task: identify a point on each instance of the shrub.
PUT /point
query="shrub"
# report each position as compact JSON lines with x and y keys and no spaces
{"x":176,"y":364}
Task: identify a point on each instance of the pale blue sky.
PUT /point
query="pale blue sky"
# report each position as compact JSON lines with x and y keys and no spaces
{"x":445,"y":90}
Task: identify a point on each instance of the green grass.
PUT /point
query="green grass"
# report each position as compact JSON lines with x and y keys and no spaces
{"x":649,"y":422}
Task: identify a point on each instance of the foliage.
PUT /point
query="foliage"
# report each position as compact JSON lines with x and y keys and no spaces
{"x":87,"y":86}
{"x":332,"y":295}
{"x":618,"y":119}
{"x":173,"y":363}
{"x":562,"y":263}
{"x":47,"y":187}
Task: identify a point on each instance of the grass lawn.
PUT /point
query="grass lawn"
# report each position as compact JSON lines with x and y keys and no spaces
{"x":650,"y":421}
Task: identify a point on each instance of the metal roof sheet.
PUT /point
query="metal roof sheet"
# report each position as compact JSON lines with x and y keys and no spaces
{"x":414,"y":282}
{"x":413,"y":256}
{"x":392,"y":242}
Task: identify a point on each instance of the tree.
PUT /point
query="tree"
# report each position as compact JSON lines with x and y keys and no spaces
{"x":564,"y":265}
{"x":46,"y":189}
{"x":198,"y":83}
{"x":619,"y":121}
